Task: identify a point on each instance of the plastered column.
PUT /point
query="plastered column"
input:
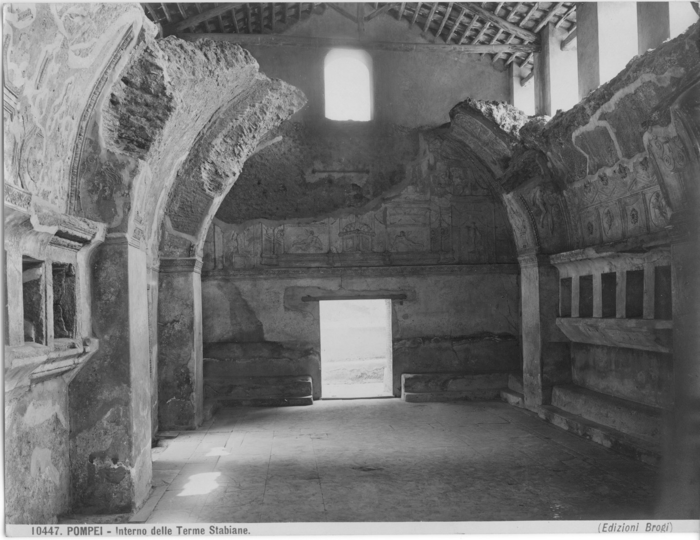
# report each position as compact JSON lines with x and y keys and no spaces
{"x":546,"y":351}
{"x":680,"y":468}
{"x":522,"y":97}
{"x":606,"y":41}
{"x":180,"y":377}
{"x":109,"y":399}
{"x":659,"y":21}
{"x":556,"y":78}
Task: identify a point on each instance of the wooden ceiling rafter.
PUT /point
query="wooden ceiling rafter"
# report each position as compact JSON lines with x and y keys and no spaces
{"x":416,"y":11}
{"x":469,"y":28}
{"x":430,"y":17}
{"x":529,"y":14}
{"x":513,"y":33}
{"x":510,"y":38}
{"x":548,"y":17}
{"x":455,"y":25}
{"x":448,"y":11}
{"x":564,"y":17}
{"x":568,"y":39}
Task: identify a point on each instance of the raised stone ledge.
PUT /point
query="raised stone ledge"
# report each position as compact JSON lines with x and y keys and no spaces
{"x":31,"y":363}
{"x":264,"y":391}
{"x":361,"y":271}
{"x":443,"y":387}
{"x":622,"y":415}
{"x":645,"y":334}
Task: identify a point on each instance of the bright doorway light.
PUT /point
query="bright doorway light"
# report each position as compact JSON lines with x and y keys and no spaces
{"x":356,"y":355}
{"x":348,"y":85}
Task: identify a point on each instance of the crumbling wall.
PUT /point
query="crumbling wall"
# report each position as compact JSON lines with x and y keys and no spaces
{"x":57,"y":59}
{"x":586,"y":177}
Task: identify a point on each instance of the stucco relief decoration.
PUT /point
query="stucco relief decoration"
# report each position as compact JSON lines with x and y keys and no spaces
{"x":658,"y":210}
{"x":455,"y":181}
{"x":48,"y":82}
{"x":519,"y":221}
{"x":671,"y":152}
{"x":634,"y":210}
{"x":404,"y":242}
{"x":242,"y":248}
{"x":356,"y":236}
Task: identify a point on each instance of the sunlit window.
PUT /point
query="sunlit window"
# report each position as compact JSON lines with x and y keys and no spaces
{"x":348,"y":85}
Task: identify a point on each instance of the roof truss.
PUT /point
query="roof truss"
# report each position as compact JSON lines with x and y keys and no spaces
{"x":507,"y":30}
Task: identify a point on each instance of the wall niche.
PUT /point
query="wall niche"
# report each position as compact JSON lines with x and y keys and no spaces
{"x":63,"y":300}
{"x":33,"y":300}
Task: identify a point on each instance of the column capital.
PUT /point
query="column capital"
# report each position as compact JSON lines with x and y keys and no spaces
{"x":184,"y":264}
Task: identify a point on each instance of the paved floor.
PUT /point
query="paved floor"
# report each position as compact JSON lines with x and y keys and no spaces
{"x":386,"y":460}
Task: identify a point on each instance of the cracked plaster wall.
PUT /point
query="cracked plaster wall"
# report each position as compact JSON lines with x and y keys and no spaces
{"x":36,"y":454}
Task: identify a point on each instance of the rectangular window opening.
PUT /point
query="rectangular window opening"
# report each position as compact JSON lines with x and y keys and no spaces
{"x":634,"y":295}
{"x":663,"y":307}
{"x":64,"y":314}
{"x":609,"y":293}
{"x":565,"y":297}
{"x":356,"y":355}
{"x":585,"y":300}
{"x":34,"y":300}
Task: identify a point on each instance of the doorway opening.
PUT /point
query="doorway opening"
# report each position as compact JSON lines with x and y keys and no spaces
{"x":356,"y":357}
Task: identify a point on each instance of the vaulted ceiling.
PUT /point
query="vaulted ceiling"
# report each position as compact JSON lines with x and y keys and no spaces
{"x":508,"y":31}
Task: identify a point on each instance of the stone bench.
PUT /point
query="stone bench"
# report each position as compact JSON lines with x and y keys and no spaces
{"x":619,"y":414}
{"x":441,"y":387}
{"x":260,"y":391}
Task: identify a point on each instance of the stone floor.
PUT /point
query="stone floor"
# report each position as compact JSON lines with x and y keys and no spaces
{"x":386,"y":460}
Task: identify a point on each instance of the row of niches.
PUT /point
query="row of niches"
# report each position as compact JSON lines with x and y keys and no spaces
{"x":625,"y":294}
{"x":44,"y":282}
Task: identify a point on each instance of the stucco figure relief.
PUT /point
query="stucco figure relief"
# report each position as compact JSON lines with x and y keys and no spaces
{"x":658,"y":210}
{"x":403,"y":242}
{"x":311,"y":243}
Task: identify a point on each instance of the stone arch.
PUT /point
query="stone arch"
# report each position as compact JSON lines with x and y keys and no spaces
{"x":174,"y":105}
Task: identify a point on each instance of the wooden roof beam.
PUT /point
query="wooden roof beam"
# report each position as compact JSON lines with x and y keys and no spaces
{"x":568,"y":39}
{"x":430,"y":17}
{"x":548,"y":17}
{"x":565,"y":16}
{"x":530,"y":75}
{"x":249,"y":18}
{"x":522,"y":23}
{"x":403,"y":6}
{"x":469,"y":28}
{"x":494,"y":19}
{"x":455,"y":25}
{"x":448,"y":11}
{"x":303,"y":41}
{"x":199,"y":18}
{"x":415,"y":14}
{"x":234,"y":19}
{"x":361,"y":18}
{"x":168,"y":16}
{"x":377,"y":12}
{"x":182,"y":11}
{"x":481,"y":33}
{"x":510,"y":16}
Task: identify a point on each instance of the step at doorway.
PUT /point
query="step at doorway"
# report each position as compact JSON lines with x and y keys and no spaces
{"x":356,"y":359}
